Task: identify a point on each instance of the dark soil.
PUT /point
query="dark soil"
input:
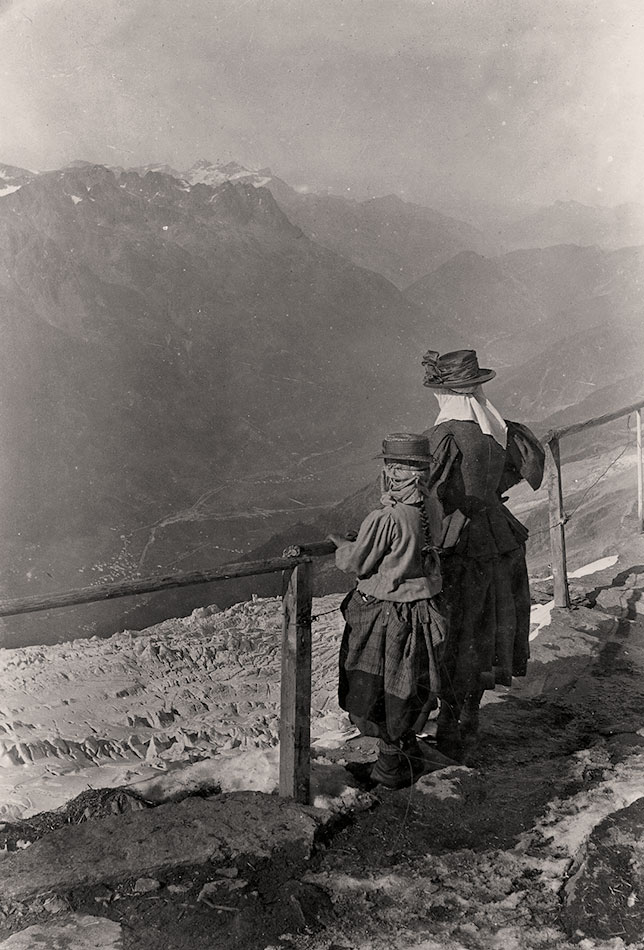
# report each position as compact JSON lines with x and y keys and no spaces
{"x":520,"y":763}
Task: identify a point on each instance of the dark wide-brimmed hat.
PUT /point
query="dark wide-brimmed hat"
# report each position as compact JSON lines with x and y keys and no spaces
{"x":454,"y":370}
{"x":405,"y":446}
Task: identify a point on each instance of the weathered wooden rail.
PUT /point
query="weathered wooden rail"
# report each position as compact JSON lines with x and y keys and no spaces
{"x":297,"y":593}
{"x":296,"y":566}
{"x":557,"y":515}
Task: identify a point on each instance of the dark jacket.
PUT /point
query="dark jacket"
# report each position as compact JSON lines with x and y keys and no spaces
{"x":470,"y":471}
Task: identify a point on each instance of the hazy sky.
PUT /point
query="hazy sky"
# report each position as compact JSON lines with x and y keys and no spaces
{"x":531,"y":99}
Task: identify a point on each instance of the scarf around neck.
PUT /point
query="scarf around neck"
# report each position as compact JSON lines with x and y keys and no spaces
{"x":472,"y":406}
{"x":402,"y":485}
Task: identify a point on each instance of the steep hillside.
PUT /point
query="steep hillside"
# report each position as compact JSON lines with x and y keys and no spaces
{"x":600,"y":497}
{"x":405,"y":241}
{"x":12,"y":178}
{"x":582,"y":375}
{"x":395,"y":238}
{"x":554,"y":322}
{"x":172,"y":356}
{"x":185,"y":371}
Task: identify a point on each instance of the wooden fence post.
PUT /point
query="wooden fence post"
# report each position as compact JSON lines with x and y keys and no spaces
{"x":556,"y":521}
{"x":295,"y":714}
{"x":640,"y":512}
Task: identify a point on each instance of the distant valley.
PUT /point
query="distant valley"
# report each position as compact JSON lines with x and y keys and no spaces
{"x":194,"y":360}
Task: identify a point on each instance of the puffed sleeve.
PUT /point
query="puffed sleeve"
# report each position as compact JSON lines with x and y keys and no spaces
{"x":374,"y":540}
{"x":524,"y":458}
{"x":446,"y":489}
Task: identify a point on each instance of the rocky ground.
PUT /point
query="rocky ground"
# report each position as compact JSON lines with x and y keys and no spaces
{"x":534,"y":841}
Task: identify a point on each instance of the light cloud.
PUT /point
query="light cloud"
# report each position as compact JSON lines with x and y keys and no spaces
{"x":498,"y":98}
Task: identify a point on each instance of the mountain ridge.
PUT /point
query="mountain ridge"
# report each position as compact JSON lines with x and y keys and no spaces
{"x":180,"y":342}
{"x":184,"y":368}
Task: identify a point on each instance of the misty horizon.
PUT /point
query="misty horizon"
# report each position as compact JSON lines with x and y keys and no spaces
{"x":439,"y":103}
{"x":133,"y":307}
{"x":450,"y":204}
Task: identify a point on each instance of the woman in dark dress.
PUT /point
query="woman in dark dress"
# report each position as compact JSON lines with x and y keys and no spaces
{"x":477,"y":456}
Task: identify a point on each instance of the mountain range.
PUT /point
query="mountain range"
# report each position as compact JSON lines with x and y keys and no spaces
{"x":405,"y":240}
{"x":550,"y":320}
{"x":174,"y":354}
{"x":570,"y":222}
{"x":193,"y":360}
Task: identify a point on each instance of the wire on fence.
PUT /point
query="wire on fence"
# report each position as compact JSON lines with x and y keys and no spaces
{"x":568,"y":517}
{"x":324,"y":613}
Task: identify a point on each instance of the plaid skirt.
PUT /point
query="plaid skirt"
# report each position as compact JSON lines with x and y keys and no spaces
{"x":389,"y":680}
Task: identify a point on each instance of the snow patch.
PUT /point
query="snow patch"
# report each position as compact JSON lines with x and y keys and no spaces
{"x":75,"y":199}
{"x":253,"y":770}
{"x":9,"y":190}
{"x":214,"y":175}
{"x":332,"y":730}
{"x":568,"y":822}
{"x":143,"y":705}
{"x":540,"y":615}
{"x":595,"y":566}
{"x":257,"y":770}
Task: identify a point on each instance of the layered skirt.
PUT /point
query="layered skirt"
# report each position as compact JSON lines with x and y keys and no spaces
{"x":389,"y":664}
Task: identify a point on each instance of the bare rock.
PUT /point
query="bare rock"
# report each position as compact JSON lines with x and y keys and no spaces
{"x":156,"y":841}
{"x":619,"y":601}
{"x":604,"y":897}
{"x":303,"y":905}
{"x":208,"y":891}
{"x":103,"y":895}
{"x":144,"y":885}
{"x":202,"y":613}
{"x":75,"y":932}
{"x":623,"y":745}
{"x":56,"y":905}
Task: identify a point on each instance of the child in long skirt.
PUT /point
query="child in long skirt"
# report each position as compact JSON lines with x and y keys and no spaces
{"x":389,"y":681}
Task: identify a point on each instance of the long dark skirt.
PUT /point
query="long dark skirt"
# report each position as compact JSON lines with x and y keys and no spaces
{"x":487,"y":604}
{"x":389,"y":680}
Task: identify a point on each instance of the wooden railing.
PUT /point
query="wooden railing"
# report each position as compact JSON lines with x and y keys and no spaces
{"x":296,"y":566}
{"x":557,"y":515}
{"x":297,"y":593}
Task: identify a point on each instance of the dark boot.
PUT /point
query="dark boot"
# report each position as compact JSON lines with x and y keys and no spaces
{"x":411,"y":747}
{"x":449,"y":740}
{"x":399,"y":764}
{"x":469,"y":721}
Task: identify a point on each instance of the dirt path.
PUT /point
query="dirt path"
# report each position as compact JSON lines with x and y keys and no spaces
{"x":482,"y":864}
{"x":474,"y":856}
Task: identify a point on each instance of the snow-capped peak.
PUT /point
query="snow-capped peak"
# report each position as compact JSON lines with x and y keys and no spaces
{"x":207,"y":173}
